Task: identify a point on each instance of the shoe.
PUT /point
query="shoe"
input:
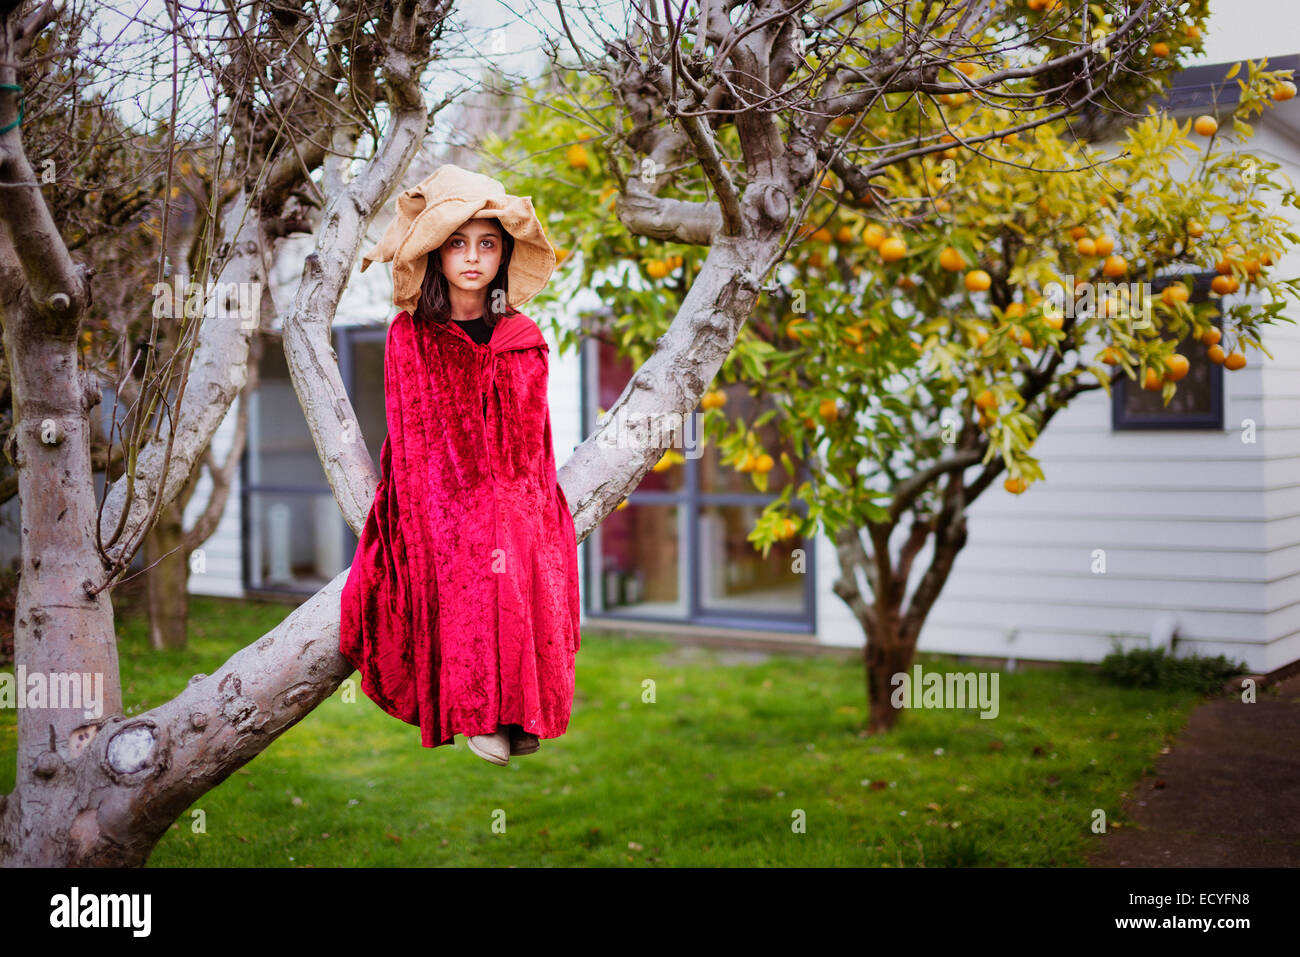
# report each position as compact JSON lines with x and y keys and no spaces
{"x":521,"y":742}
{"x":493,"y":748}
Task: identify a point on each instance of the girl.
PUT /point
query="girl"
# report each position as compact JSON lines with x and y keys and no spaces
{"x":461,"y":606}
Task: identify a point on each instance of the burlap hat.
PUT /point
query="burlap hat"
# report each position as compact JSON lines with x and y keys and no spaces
{"x":429,"y":213}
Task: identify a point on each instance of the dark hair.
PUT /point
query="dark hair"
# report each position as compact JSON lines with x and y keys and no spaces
{"x":435,"y":298}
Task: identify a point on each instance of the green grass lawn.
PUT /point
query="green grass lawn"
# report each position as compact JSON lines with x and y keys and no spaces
{"x":715,"y":772}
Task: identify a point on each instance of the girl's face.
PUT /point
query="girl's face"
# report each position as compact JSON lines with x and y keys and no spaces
{"x":472,"y":254}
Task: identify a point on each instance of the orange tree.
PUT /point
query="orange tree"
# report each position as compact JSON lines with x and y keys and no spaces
{"x":908,"y":335}
{"x":928,"y":365}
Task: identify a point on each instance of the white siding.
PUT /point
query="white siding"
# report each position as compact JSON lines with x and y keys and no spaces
{"x":221,"y":570}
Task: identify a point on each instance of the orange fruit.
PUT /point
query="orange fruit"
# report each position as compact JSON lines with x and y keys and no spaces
{"x":1206,"y":125}
{"x":828,"y":410}
{"x":1211,"y":335}
{"x":966,"y":67}
{"x":816,"y":261}
{"x":893,"y":249}
{"x":1231,"y":256}
{"x":577,"y":157}
{"x":981,"y":335}
{"x":1224,"y":285}
{"x":1078,"y":232}
{"x":1175,"y":293}
{"x":942,"y":205}
{"x":1014,"y":310}
{"x":822,"y":235}
{"x":713,"y":399}
{"x":1251,"y":266}
{"x":1177,"y":367}
{"x":764,"y":463}
{"x":1193,"y":31}
{"x":952,"y":260}
{"x":1036,"y":5}
{"x":1153,"y":382}
{"x":1026,"y":337}
{"x":1284,"y":91}
{"x":1216,"y":355}
{"x":845,"y":235}
{"x":1086,"y":247}
{"x":656,"y":269}
{"x":1109,"y":356}
{"x":1195,"y":229}
{"x":1011,"y":138}
{"x":1105,"y":245}
{"x":977,"y":280}
{"x":1160,"y":49}
{"x":1266,"y":258}
{"x":1115,"y":266}
{"x":873,"y":235}
{"x":1015,"y":485}
{"x":1234,"y":361}
{"x":1054,"y":322}
{"x":986,"y":400}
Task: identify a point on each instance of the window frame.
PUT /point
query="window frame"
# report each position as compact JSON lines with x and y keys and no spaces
{"x":1124,"y":421}
{"x":689,"y":502}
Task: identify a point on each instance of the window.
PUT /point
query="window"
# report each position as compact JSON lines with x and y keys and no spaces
{"x":1198,"y":403}
{"x":678,"y":549}
{"x":295,"y":538}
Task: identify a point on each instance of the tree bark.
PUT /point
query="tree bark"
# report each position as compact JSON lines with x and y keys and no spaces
{"x":884,"y":657}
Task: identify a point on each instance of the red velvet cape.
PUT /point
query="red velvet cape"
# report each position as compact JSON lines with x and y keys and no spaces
{"x":461,"y":606}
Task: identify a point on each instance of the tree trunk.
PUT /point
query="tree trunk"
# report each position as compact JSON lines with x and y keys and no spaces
{"x":167,"y":580}
{"x":883,"y":660}
{"x":891,"y":633}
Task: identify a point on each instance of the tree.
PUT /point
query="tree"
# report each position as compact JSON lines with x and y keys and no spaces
{"x":132,"y":204}
{"x":910,"y":343}
{"x":718,"y":152}
{"x":102,"y":790}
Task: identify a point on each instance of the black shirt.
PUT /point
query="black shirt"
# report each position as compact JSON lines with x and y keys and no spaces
{"x":477,"y":329}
